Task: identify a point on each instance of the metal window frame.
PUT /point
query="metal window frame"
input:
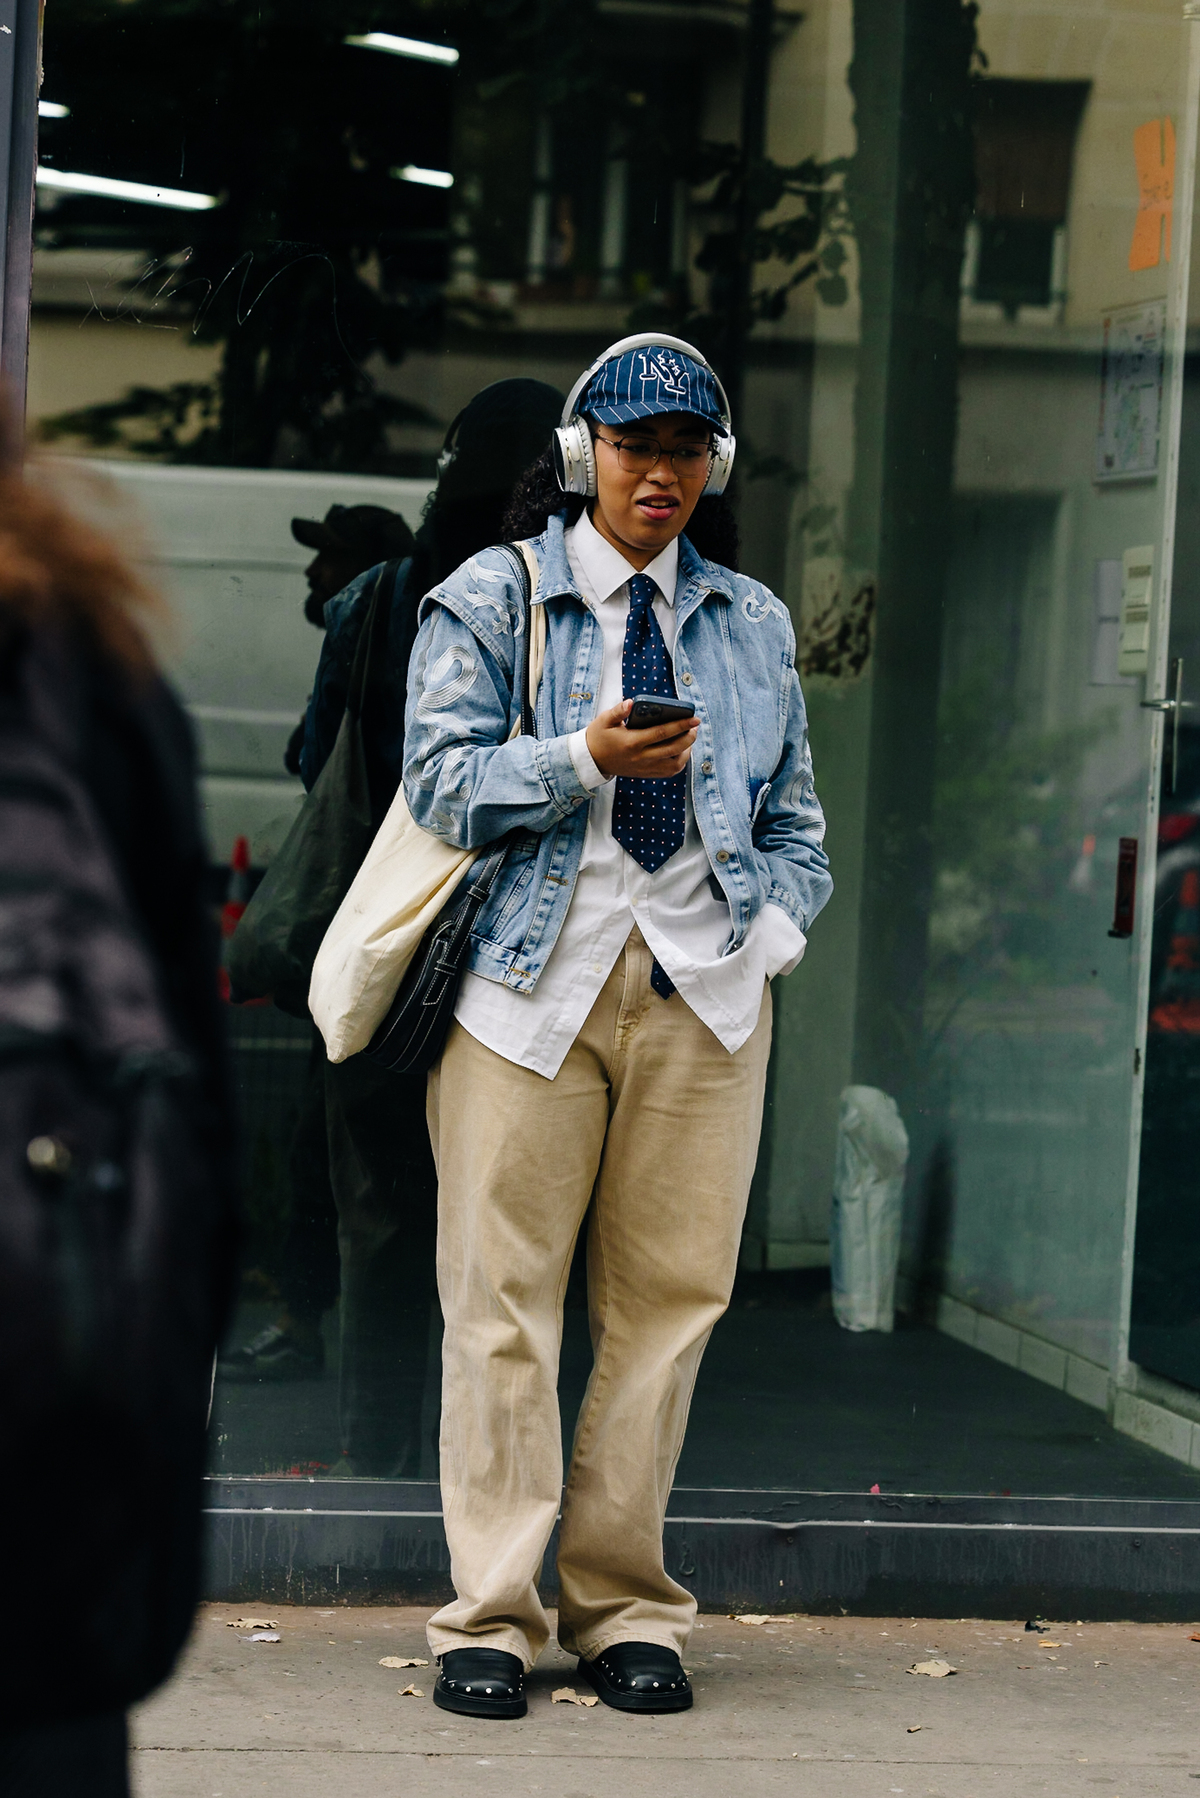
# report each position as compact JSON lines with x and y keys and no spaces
{"x":20,"y":79}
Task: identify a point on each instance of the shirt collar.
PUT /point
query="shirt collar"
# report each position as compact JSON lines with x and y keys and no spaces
{"x":607,"y":570}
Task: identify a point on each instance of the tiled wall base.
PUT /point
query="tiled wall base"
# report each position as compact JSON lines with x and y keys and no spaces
{"x":1158,"y":1426}
{"x":1033,"y":1355}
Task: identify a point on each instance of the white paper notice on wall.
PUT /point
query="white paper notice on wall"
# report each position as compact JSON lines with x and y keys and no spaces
{"x":1137,"y":589}
{"x":1106,"y":626}
{"x":1131,"y":383}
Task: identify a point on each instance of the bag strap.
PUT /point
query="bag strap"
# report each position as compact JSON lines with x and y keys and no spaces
{"x":372,"y":638}
{"x":528,"y":685}
{"x":537,"y":622}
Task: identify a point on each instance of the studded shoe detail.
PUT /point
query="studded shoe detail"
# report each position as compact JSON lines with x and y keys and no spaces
{"x":481,"y":1682}
{"x":639,"y":1676}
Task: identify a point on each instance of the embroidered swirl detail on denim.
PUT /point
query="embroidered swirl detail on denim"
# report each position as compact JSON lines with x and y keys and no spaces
{"x":758,"y":606}
{"x":443,"y":686}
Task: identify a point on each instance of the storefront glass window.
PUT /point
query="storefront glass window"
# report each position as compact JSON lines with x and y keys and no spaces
{"x":940,"y":255}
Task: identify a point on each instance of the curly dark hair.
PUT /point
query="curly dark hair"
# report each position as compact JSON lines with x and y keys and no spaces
{"x":537,"y":496}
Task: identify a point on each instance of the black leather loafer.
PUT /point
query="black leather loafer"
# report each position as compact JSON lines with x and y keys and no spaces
{"x":481,"y":1682}
{"x":639,"y":1676}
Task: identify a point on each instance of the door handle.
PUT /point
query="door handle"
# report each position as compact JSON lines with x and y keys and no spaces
{"x":1174,"y":705}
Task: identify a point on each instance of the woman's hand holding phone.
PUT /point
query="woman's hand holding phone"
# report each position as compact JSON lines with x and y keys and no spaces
{"x":653,"y":754}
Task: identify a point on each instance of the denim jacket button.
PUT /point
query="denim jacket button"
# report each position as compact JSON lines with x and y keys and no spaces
{"x":706,"y":767}
{"x":722,"y":855}
{"x":687,"y":680}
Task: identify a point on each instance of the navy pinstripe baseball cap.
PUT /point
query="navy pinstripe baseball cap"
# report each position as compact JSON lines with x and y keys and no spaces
{"x":645,"y":383}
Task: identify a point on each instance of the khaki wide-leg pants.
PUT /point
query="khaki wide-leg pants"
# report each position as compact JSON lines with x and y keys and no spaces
{"x":655,"y":1120}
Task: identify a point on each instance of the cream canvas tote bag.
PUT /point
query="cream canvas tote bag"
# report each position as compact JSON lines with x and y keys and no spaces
{"x":406,"y":878}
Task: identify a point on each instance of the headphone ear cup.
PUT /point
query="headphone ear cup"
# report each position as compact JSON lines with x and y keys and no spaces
{"x":589,"y":458}
{"x":575,"y":459}
{"x":722,"y":466}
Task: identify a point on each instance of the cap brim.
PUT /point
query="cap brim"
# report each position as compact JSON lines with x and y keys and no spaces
{"x":312,"y":533}
{"x":633,"y":415}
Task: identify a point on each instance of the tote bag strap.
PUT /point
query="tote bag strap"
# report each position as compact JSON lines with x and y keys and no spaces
{"x":536,"y":624}
{"x":534,"y":637}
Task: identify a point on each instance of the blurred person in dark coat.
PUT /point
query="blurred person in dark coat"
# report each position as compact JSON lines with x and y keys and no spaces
{"x":117,"y":1168}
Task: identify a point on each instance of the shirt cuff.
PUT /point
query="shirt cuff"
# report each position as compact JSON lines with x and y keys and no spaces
{"x":783,"y":941}
{"x":581,"y":756}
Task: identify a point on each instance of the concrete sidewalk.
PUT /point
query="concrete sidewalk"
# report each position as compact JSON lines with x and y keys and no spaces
{"x":823,"y":1707}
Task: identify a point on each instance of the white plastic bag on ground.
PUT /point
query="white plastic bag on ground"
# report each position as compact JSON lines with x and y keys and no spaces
{"x":868,"y":1189}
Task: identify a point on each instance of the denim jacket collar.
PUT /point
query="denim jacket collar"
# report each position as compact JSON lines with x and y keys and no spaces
{"x":697,"y":577}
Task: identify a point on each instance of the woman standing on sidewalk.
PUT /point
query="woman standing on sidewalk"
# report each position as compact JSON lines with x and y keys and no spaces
{"x":612,"y":1033}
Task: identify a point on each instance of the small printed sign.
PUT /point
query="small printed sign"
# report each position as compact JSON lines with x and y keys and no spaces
{"x":1131,"y":379}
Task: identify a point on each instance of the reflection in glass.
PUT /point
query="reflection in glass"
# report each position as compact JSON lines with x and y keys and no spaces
{"x":900,"y":251}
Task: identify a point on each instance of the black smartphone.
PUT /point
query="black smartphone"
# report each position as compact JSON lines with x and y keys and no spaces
{"x":650,"y":709}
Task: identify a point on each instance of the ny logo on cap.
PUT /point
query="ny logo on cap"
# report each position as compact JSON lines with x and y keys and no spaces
{"x":662,"y":368}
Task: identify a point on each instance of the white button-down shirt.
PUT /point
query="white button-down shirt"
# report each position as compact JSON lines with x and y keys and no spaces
{"x":679,"y":908}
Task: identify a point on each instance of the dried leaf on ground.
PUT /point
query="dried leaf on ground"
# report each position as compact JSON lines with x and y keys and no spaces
{"x":411,"y":1692}
{"x":1049,"y":1644}
{"x":395,"y":1660}
{"x":749,"y":1617}
{"x":568,"y":1695}
{"x":251,"y":1623}
{"x":262,"y":1635}
{"x":935,"y":1669}
{"x":1100,"y":1663}
{"x":914,"y":1729}
{"x":1194,"y":1638}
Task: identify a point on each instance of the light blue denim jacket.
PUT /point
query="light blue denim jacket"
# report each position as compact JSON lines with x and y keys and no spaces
{"x":751,"y":773}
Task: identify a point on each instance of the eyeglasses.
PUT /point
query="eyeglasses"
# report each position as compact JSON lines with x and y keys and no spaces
{"x":638,"y":455}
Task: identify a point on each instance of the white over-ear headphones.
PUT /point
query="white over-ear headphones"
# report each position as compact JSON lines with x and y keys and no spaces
{"x":574,"y":454}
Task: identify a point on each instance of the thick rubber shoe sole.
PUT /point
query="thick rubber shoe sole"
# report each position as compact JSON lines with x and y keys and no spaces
{"x":462,"y":1706}
{"x":649,"y":1703}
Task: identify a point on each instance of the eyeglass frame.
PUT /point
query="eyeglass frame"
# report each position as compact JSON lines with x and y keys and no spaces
{"x":618,"y":443}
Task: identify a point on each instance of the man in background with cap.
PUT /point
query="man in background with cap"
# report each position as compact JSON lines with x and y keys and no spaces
{"x":348,"y":541}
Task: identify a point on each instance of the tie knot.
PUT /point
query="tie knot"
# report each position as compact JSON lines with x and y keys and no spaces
{"x":641,"y":590}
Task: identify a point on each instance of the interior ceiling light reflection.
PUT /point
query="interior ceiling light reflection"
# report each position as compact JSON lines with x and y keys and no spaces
{"x":52,"y":109}
{"x":423,"y":177}
{"x":405,"y":46}
{"x":63,"y":182}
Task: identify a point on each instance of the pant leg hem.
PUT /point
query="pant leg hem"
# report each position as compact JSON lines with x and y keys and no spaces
{"x":504,"y":1640}
{"x":593,"y":1650}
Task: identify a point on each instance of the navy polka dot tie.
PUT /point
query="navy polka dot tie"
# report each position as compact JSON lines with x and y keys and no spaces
{"x":648,"y":815}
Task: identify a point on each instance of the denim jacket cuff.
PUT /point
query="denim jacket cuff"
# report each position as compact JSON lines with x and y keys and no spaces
{"x":557,"y":768}
{"x":780,"y":896}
